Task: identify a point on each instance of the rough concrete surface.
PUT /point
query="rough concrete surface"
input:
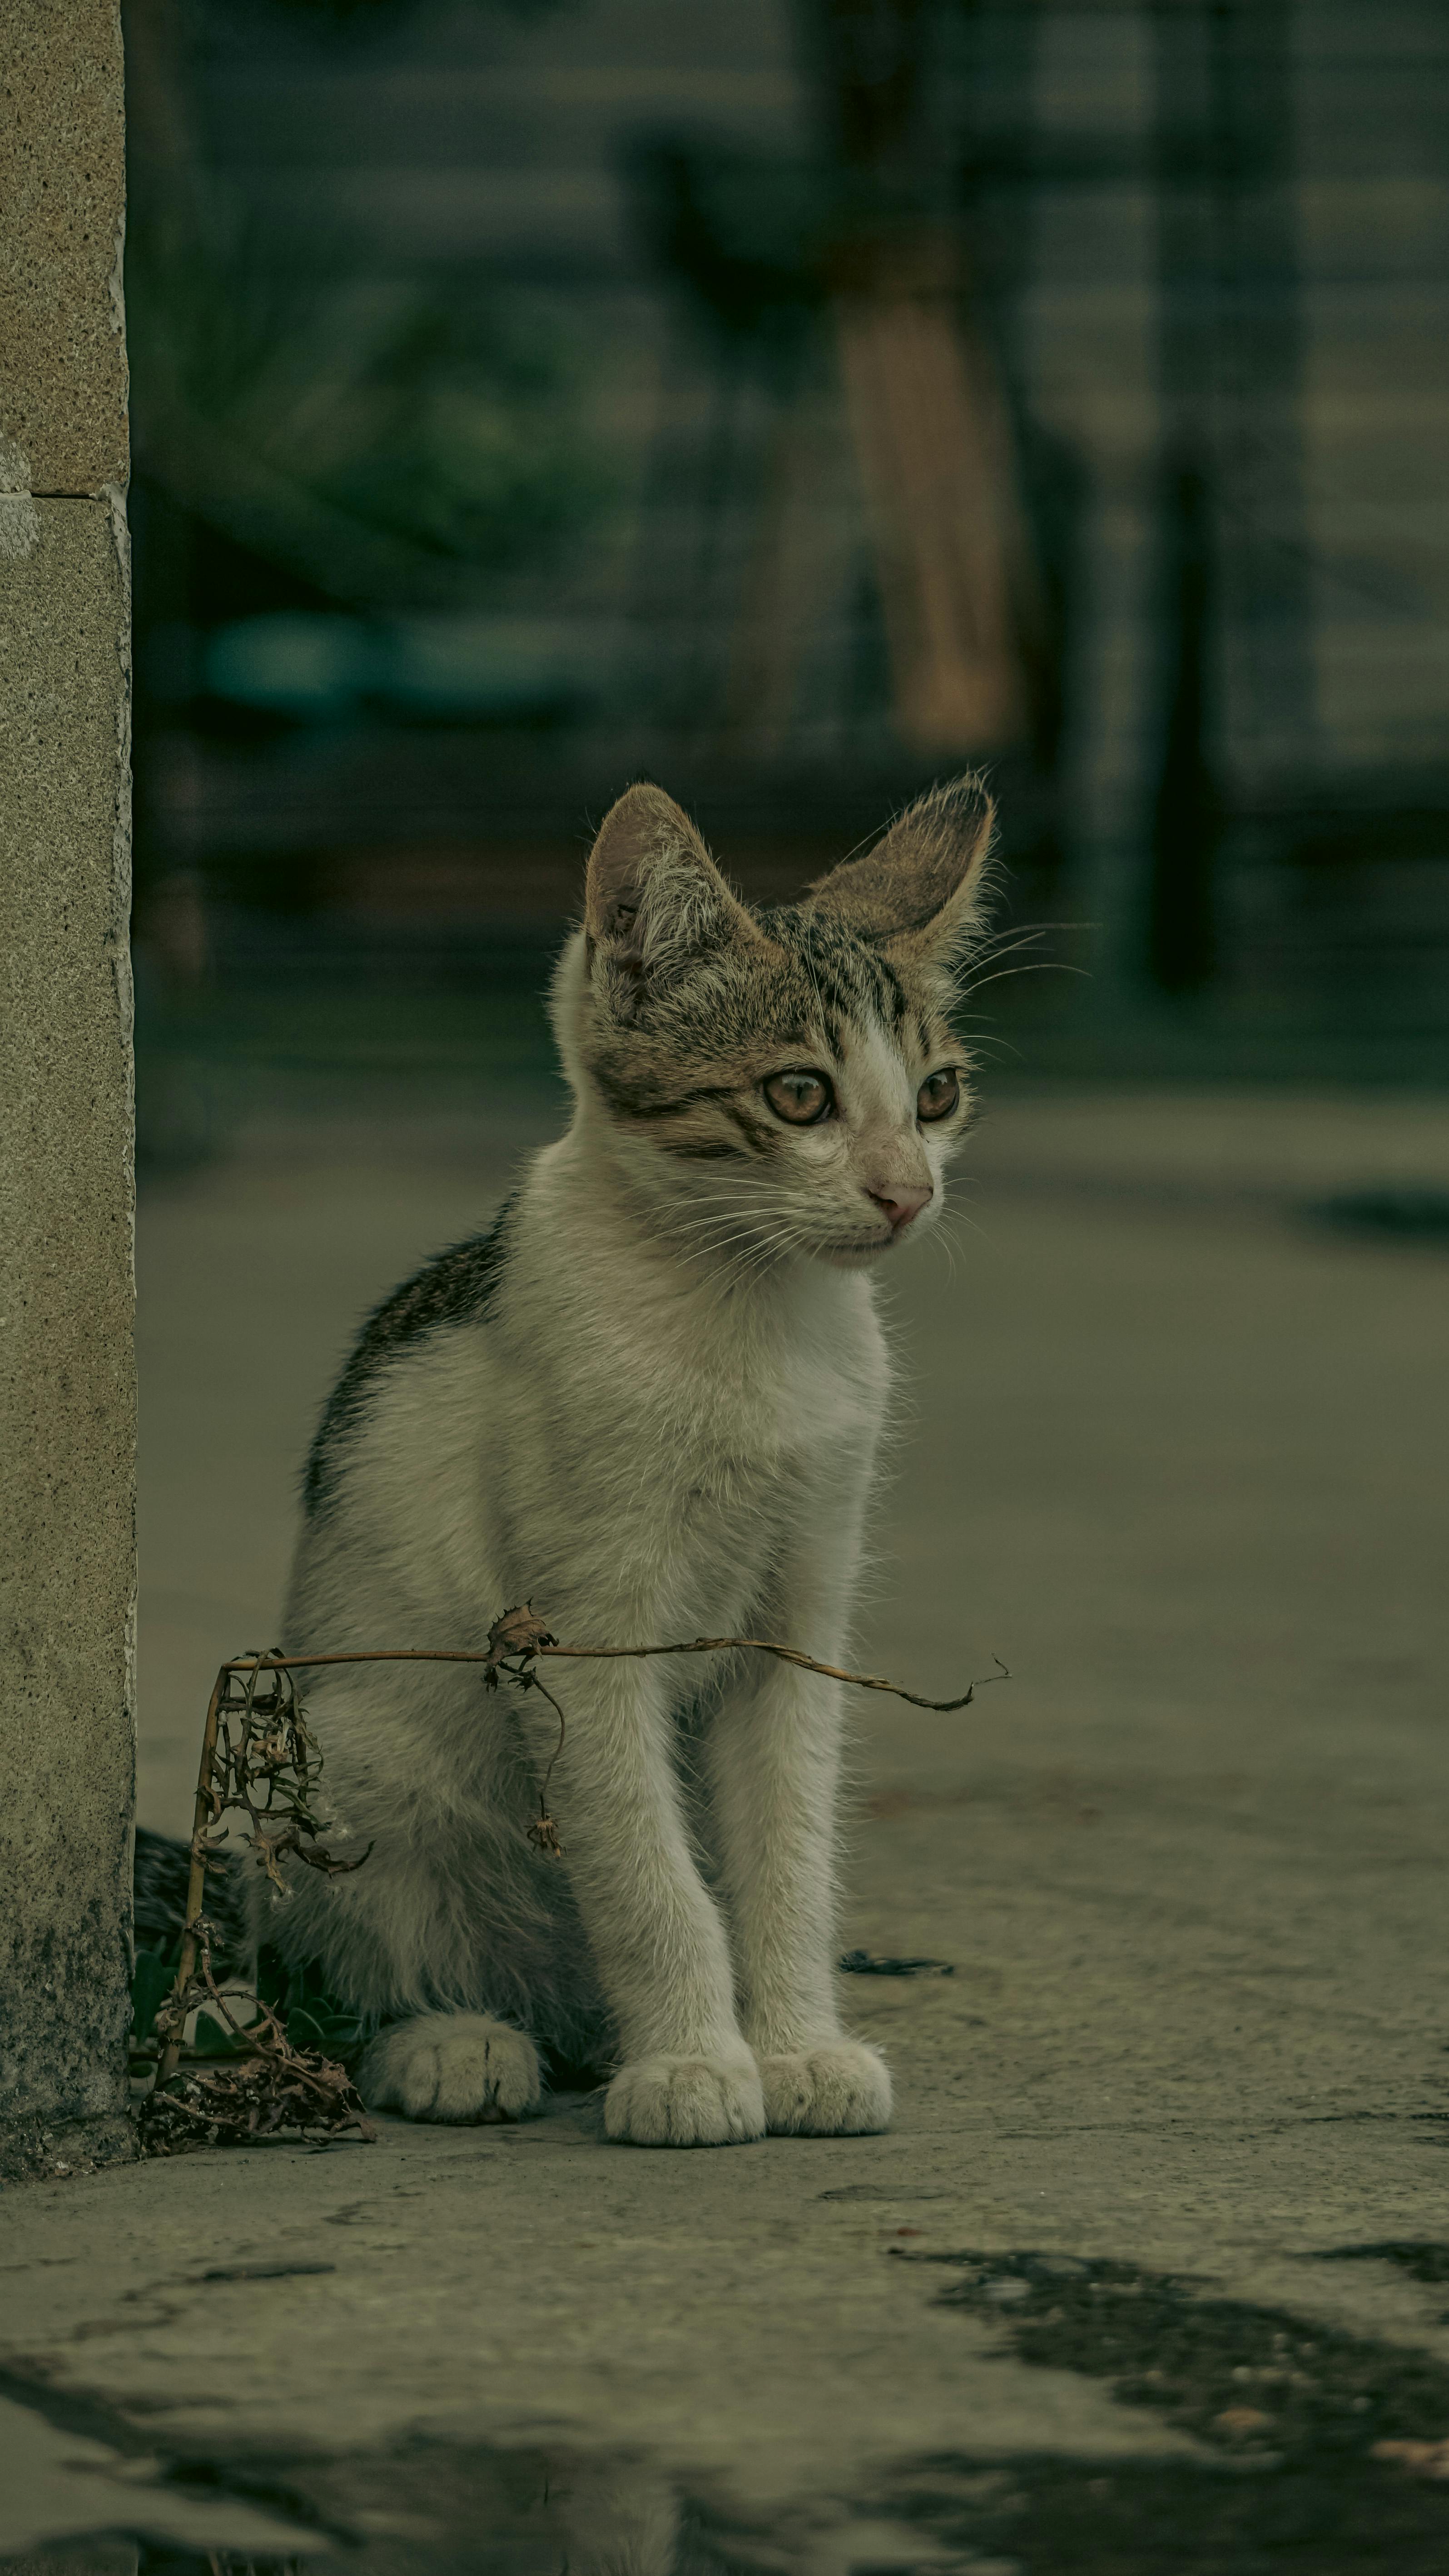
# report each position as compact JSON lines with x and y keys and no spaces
{"x":1172,"y":1448}
{"x":63,"y":422}
{"x":67,"y":1555}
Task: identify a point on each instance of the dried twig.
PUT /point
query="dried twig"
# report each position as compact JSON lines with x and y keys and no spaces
{"x":258,"y":1757}
{"x":500,"y":1647}
{"x":517,"y":1639}
{"x":241,"y":2100}
{"x":265,"y":2086}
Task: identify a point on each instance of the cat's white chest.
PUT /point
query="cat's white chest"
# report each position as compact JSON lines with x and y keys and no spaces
{"x":762,"y":1422}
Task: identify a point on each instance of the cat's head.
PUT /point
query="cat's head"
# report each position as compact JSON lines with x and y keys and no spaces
{"x":785,"y":1082}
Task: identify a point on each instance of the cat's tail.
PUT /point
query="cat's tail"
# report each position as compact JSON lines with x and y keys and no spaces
{"x":162,"y":1874}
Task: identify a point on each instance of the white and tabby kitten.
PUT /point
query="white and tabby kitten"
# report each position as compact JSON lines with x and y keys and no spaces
{"x":648,"y":1401}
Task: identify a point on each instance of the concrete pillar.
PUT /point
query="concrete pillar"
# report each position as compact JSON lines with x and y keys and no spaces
{"x":67,"y":1393}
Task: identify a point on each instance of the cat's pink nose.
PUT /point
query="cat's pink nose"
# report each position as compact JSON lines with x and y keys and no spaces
{"x":900,"y":1202}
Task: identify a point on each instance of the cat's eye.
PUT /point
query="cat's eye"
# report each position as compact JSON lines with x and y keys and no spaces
{"x":801,"y":1099}
{"x":938,"y":1095}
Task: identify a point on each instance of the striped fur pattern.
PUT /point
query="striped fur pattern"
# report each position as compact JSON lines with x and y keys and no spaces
{"x":161,"y":1883}
{"x":649,"y":1399}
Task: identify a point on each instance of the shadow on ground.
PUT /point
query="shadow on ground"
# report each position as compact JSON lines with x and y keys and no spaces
{"x":1314,"y":2450}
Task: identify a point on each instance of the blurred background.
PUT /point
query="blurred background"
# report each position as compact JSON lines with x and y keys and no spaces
{"x":797,"y":401}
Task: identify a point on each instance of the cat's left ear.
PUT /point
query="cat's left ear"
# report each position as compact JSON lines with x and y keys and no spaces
{"x":919,"y":893}
{"x":655,"y":902}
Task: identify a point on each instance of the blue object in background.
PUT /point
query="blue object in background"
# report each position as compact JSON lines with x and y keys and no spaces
{"x":318,"y":667}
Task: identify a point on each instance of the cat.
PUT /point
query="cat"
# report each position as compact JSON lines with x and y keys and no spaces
{"x":649,"y":1401}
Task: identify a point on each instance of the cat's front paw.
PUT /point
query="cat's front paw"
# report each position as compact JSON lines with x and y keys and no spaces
{"x":451,"y":2066}
{"x":841,"y":2089}
{"x":686,"y":2102}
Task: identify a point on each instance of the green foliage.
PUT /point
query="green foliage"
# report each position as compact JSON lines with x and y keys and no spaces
{"x":213,"y":2039}
{"x":385,"y":439}
{"x":310,"y":2016}
{"x":313,"y":2017}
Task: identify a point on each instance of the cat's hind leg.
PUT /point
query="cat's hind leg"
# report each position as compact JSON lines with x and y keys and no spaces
{"x":461,"y":2066}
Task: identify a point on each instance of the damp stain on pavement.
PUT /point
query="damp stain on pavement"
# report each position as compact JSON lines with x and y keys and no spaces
{"x":1323,"y":2452}
{"x":1317,"y":2452}
{"x":1416,"y":2256}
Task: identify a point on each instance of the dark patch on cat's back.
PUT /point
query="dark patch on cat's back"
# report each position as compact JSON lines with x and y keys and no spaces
{"x":161,"y":1882}
{"x":456,"y":1287}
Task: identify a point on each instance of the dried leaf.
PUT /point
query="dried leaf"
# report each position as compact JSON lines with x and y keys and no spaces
{"x":289,"y":1845}
{"x":263,"y":2087}
{"x":264,"y":2094}
{"x":262,"y":1760}
{"x":517,"y":1632}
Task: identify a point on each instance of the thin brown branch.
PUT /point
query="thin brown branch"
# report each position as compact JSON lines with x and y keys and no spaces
{"x":599,"y":1654}
{"x":259,"y":1758}
{"x":206,"y":1811}
{"x":262,"y":2086}
{"x":544,"y":1831}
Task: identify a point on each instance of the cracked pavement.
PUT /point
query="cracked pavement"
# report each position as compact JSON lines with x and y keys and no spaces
{"x":1174,"y":1450}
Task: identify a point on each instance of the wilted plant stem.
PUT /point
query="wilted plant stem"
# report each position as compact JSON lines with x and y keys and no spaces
{"x":517,"y":1640}
{"x":196,"y":1883}
{"x":272,"y":1753}
{"x":607,"y":1654}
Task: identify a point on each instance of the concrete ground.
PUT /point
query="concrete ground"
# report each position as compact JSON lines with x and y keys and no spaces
{"x":1174,"y":1449}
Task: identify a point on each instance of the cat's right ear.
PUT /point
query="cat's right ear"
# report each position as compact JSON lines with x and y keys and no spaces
{"x":919,"y":893}
{"x":655,"y":902}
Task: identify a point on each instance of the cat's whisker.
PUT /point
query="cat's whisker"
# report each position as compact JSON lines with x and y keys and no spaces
{"x":1047,"y":966}
{"x":983,"y":1038}
{"x":940,"y":1238}
{"x":754,"y":1246}
{"x":957,"y":1217}
{"x":711,"y":1242}
{"x":782,"y":1240}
